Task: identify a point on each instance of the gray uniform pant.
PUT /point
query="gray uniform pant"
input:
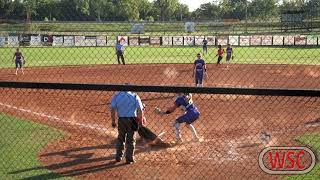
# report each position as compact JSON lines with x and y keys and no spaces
{"x":126,"y":136}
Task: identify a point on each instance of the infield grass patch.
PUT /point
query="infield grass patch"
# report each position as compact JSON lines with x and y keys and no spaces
{"x":20,"y":143}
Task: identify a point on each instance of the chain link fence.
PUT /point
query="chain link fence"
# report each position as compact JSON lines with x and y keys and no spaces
{"x":259,"y":105}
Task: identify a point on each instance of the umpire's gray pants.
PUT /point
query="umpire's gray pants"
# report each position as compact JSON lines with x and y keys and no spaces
{"x":126,"y":136}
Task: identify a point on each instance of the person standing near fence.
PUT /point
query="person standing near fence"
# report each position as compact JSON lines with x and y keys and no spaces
{"x":220,"y":54}
{"x":229,"y":56}
{"x":191,"y":114}
{"x":199,"y":70}
{"x":120,"y":52}
{"x":19,"y":60}
{"x":205,"y":46}
{"x":129,"y":108}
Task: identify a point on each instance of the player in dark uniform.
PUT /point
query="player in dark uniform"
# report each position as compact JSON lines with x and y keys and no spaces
{"x":229,"y":56}
{"x":120,"y":53}
{"x":199,"y":70}
{"x":184,"y":100}
{"x":205,"y":46}
{"x":19,"y":61}
{"x":220,"y":54}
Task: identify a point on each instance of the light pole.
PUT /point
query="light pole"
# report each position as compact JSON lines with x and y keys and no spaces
{"x":246,"y":21}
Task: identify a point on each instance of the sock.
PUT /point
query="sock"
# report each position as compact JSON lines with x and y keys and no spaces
{"x":178,"y":133}
{"x":193,"y":130}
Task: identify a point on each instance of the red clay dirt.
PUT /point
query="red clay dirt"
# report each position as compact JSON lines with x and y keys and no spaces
{"x":230,"y":125}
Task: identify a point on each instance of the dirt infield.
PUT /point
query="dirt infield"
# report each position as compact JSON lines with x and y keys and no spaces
{"x":230,"y":125}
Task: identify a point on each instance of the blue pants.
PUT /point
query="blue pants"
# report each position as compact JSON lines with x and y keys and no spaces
{"x":199,"y":78}
{"x":189,"y":117}
{"x":18,"y":64}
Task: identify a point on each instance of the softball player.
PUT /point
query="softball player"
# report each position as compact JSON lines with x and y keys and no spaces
{"x":220,"y":54}
{"x":229,"y":54}
{"x":190,"y":116}
{"x":199,"y":70}
{"x":19,"y":61}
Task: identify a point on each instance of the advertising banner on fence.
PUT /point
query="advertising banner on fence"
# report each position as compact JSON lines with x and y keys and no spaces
{"x":167,"y":40}
{"x":123,"y":40}
{"x":312,"y":40}
{"x":57,"y":41}
{"x":289,"y":40}
{"x":35,"y":40}
{"x":47,"y":40}
{"x":300,"y":40}
{"x":2,"y":41}
{"x":13,"y":41}
{"x":24,"y":40}
{"x":277,"y":40}
{"x":134,"y":41}
{"x":198,"y":40}
{"x":244,"y":40}
{"x":211,"y":40}
{"x":155,"y":41}
{"x":144,"y":41}
{"x":90,"y":41}
{"x":255,"y":40}
{"x":79,"y":40}
{"x":68,"y":40}
{"x":101,"y":41}
{"x":177,"y":40}
{"x":234,"y":40}
{"x":111,"y":40}
{"x":266,"y":40}
{"x":222,"y":40}
{"x":188,"y":40}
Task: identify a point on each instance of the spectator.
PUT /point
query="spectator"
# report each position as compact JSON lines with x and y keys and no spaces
{"x":120,"y":52}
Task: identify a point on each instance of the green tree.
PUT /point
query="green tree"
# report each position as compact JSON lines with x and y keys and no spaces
{"x":313,"y":7}
{"x":235,"y":9}
{"x":207,"y":11}
{"x":263,"y":9}
{"x":165,"y":9}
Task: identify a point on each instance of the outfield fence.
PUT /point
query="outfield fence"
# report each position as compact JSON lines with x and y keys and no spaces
{"x":259,"y":107}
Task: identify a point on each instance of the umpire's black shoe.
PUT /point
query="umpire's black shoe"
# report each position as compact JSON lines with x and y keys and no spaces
{"x":118,"y":159}
{"x":130,"y":162}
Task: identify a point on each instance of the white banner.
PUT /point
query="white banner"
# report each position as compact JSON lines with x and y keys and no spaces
{"x":90,"y":41}
{"x":13,"y":41}
{"x":79,"y":40}
{"x":134,"y":41}
{"x":111,"y":41}
{"x":278,"y":40}
{"x":177,"y":40}
{"x":312,"y":40}
{"x":166,"y":40}
{"x":155,"y":41}
{"x":57,"y":41}
{"x":289,"y":40}
{"x":266,"y":40}
{"x":123,"y":40}
{"x":188,"y":40}
{"x":144,"y":40}
{"x":68,"y":40}
{"x":211,"y":40}
{"x":222,"y":40}
{"x":198,"y":40}
{"x":234,"y":40}
{"x":300,"y":40}
{"x":101,"y":41}
{"x":255,"y":41}
{"x":35,"y":40}
{"x":2,"y":41}
{"x":244,"y":40}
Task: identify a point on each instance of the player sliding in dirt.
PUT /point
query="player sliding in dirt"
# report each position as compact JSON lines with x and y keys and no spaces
{"x":148,"y":136}
{"x":191,"y":114}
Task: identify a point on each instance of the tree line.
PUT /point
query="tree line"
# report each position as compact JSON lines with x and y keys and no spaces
{"x":145,"y":10}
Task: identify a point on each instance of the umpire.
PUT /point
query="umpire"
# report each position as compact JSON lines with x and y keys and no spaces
{"x":120,"y":53}
{"x":129,"y":107}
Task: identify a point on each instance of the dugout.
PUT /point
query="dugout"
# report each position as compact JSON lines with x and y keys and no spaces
{"x":292,"y":21}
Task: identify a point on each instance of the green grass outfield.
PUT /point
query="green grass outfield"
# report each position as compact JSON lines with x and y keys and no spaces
{"x":312,"y":140}
{"x":57,"y":56}
{"x":20,"y":143}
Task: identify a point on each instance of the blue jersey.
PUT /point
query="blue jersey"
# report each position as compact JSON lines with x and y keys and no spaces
{"x":205,"y":43}
{"x":229,"y":51}
{"x":120,"y":47}
{"x":200,"y":65}
{"x":18,"y":56}
{"x":186,"y":103}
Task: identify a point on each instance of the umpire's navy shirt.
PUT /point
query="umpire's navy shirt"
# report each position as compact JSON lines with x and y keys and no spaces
{"x":126,"y":104}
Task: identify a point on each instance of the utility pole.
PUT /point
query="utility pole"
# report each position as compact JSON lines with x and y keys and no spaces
{"x":246,"y":21}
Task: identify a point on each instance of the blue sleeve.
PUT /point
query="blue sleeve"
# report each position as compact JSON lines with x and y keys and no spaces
{"x":178,"y":101}
{"x":113,"y":101}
